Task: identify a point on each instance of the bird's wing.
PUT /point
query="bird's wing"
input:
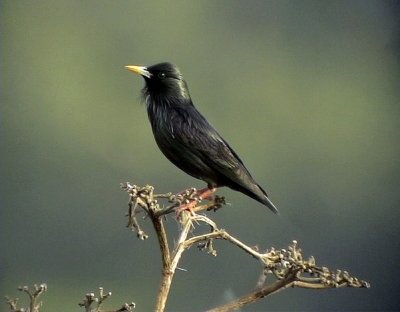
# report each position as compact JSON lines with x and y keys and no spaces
{"x":214,"y":151}
{"x":227,"y":162}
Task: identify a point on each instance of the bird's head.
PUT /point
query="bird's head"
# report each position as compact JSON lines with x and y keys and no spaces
{"x":163,"y":80}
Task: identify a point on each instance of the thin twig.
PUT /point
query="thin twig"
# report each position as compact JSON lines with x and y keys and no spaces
{"x":256,"y":295}
{"x":93,"y":303}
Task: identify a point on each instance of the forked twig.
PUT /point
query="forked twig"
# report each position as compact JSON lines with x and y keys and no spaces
{"x":93,"y":303}
{"x":34,"y":294}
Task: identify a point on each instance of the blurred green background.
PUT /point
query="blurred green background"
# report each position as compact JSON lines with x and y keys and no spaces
{"x":307,"y":92}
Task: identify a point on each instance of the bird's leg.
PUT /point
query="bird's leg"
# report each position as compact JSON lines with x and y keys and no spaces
{"x":189,"y":206}
{"x":205,"y":193}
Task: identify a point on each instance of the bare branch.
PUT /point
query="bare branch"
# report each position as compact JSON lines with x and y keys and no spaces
{"x":288,"y":266}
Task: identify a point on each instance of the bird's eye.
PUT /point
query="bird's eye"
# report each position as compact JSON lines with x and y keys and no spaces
{"x":161,"y":75}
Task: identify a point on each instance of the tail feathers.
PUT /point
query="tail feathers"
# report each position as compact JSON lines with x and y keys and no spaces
{"x":263,"y":198}
{"x":267,"y":202}
{"x":256,"y":192}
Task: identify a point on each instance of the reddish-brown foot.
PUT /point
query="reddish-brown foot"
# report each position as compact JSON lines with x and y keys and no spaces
{"x":189,"y":206}
{"x":205,"y":193}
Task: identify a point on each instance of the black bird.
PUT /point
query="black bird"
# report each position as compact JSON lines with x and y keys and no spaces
{"x":187,"y":139}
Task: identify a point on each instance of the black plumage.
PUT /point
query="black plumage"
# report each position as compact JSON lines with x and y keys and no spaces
{"x":187,"y":139}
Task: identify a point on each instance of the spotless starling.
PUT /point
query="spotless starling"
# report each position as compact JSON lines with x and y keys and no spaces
{"x":187,"y":139}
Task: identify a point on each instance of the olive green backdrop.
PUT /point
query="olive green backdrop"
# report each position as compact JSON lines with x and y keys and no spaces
{"x":307,"y":92}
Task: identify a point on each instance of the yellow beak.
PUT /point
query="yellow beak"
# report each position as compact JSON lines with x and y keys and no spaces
{"x":141,"y":70}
